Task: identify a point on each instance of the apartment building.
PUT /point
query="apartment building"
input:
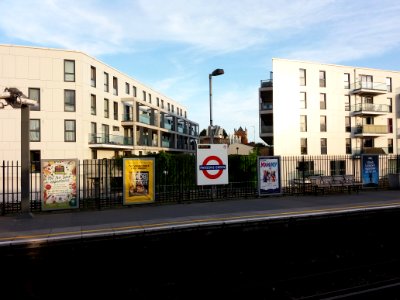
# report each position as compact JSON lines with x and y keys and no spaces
{"x":308,"y":108}
{"x":86,"y":109}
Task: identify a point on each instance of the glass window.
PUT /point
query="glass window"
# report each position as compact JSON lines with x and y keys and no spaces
{"x":149,"y":98}
{"x":127,"y":88}
{"x":93,"y":132}
{"x":348,"y":145}
{"x":106,"y":108}
{"x":303,"y":146}
{"x":115,"y":110}
{"x":347,"y":102}
{"x":93,"y":105}
{"x":303,"y":100}
{"x":115,"y":86}
{"x":134,"y":91}
{"x":389,"y":104}
{"x":322,"y":122}
{"x":106,"y":82}
{"x":324,"y":146}
{"x":302,"y":77}
{"x":158,"y":102}
{"x":322,"y":101}
{"x":390,"y":125}
{"x":322,"y":79}
{"x":69,"y":100}
{"x":346,"y":79}
{"x":144,"y":96}
{"x":34,"y":94}
{"x":303,"y":123}
{"x":92,"y":76}
{"x":347,"y":124}
{"x":69,"y":70}
{"x":69,"y":130}
{"x":35,"y":160}
{"x":389,"y":84}
{"x":390,"y":145}
{"x":34,"y":130}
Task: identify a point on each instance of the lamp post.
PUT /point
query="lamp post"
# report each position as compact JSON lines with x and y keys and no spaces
{"x":216,"y":72}
{"x":16,"y":99}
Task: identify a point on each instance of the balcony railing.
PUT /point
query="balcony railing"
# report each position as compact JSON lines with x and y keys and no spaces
{"x":266,"y":83}
{"x":266,"y":106}
{"x":367,"y":87}
{"x":371,"y":129}
{"x":370,"y":107}
{"x":109,"y":139}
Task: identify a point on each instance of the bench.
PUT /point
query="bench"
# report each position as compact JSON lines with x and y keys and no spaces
{"x":336,"y":182}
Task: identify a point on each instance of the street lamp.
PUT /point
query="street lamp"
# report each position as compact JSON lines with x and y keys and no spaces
{"x":16,"y":99}
{"x":216,"y":72}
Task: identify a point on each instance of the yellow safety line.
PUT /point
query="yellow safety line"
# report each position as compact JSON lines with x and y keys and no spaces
{"x":152,"y":225}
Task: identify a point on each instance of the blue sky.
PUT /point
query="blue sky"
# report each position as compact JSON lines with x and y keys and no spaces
{"x":172,"y":45}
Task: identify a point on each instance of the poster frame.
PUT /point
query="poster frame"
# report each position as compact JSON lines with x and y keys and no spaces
{"x":370,"y":174}
{"x":260,"y":178}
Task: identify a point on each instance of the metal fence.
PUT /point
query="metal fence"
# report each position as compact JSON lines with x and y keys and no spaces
{"x":101,"y":183}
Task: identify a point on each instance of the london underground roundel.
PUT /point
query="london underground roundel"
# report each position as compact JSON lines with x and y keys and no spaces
{"x":212,"y":164}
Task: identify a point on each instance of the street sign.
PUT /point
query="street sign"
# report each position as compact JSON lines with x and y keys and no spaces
{"x":212,"y":164}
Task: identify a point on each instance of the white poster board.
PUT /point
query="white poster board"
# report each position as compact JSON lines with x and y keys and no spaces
{"x":212,"y":164}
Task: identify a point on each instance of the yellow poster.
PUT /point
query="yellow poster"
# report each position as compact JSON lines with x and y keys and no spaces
{"x":138,"y":180}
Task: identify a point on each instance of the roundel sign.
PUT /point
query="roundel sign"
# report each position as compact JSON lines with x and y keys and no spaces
{"x":212,"y":164}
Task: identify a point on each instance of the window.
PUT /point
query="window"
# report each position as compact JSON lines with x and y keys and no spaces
{"x":347,"y":121}
{"x":106,"y":82}
{"x":93,"y":132}
{"x":366,"y":81}
{"x":172,"y":108}
{"x":322,"y":123}
{"x":149,"y":98}
{"x":69,"y":130}
{"x":69,"y":100}
{"x":389,"y":84}
{"x":324,"y":146}
{"x":35,"y":160}
{"x":69,"y":70}
{"x":338,"y":167}
{"x":34,"y":94}
{"x":106,"y":109}
{"x":322,"y":101}
{"x":106,"y":133}
{"x":303,"y":100}
{"x":115,"y":128}
{"x":322,"y":79}
{"x":390,"y":125}
{"x":303,"y":146}
{"x":115,"y":86}
{"x":34,"y":130}
{"x":302,"y":77}
{"x":92,"y":76}
{"x":134,"y":91}
{"x":346,"y":79}
{"x":93,"y":104}
{"x":158,"y":102}
{"x":115,"y":110}
{"x":390,"y":145}
{"x":348,"y":145}
{"x":144,"y":96}
{"x":162,"y":103}
{"x":389,"y":100}
{"x":169,"y":107}
{"x":347,"y":102}
{"x":303,"y":123}
{"x":127,"y":88}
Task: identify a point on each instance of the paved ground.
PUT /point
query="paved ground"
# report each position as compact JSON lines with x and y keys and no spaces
{"x":55,"y":226}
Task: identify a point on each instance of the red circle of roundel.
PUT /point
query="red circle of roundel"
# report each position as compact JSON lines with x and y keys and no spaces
{"x":219,"y":161}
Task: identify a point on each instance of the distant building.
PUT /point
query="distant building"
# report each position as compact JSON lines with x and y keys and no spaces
{"x":317,"y":109}
{"x":87,"y":109}
{"x":239,"y":149}
{"x":241,"y":134}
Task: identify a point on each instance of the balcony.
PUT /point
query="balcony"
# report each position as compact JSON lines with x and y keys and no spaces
{"x":372,"y":150}
{"x":266,"y":83}
{"x":103,"y":140}
{"x":266,"y":106}
{"x":371,"y":109}
{"x":368,"y":88}
{"x":370,"y":130}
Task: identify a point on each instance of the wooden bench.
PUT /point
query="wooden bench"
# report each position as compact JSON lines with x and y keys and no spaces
{"x":336,"y":182}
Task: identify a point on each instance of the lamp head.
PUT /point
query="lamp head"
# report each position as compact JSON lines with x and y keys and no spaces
{"x":217,"y":72}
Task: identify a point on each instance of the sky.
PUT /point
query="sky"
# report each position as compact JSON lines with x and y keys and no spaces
{"x":173,"y":45}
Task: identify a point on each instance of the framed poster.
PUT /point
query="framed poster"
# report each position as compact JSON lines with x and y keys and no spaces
{"x":138,"y":180}
{"x":370,"y":170}
{"x":59,"y":184}
{"x":269,"y":175}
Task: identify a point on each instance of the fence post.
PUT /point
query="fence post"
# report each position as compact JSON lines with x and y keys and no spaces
{"x":3,"y":210}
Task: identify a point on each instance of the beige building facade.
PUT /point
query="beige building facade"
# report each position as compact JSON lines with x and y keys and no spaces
{"x":308,"y":108}
{"x":87,"y":109}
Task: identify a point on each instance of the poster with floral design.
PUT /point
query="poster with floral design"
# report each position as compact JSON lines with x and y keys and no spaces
{"x":59,"y":184}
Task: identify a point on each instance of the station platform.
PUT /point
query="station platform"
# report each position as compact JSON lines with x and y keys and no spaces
{"x":47,"y":227}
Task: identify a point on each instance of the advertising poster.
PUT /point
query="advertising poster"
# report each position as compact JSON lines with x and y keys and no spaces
{"x":370,"y":170}
{"x":269,"y":181}
{"x":212,"y":164}
{"x":59,"y":183}
{"x":138,"y":180}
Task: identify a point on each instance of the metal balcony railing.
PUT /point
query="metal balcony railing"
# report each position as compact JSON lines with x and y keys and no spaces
{"x":110,"y":139}
{"x":370,"y":107}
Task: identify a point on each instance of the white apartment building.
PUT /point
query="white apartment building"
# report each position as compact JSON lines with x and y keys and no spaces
{"x":316,"y":109}
{"x":86,"y":109}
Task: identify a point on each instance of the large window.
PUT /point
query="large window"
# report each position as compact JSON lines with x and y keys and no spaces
{"x":34,"y":130}
{"x":69,"y":130}
{"x":93,"y":76}
{"x":346,"y":79}
{"x":322,"y":79}
{"x":93,"y":105}
{"x":115,"y":110}
{"x":34,"y":94}
{"x":69,"y":100}
{"x":303,"y":146}
{"x":303,"y":100}
{"x":322,"y":101}
{"x":348,"y":145}
{"x":302,"y":77}
{"x":338,"y":167}
{"x":115,"y":86}
{"x":347,"y":121}
{"x":106,"y":108}
{"x":106,"y":82}
{"x":69,"y":70}
{"x":322,"y":123}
